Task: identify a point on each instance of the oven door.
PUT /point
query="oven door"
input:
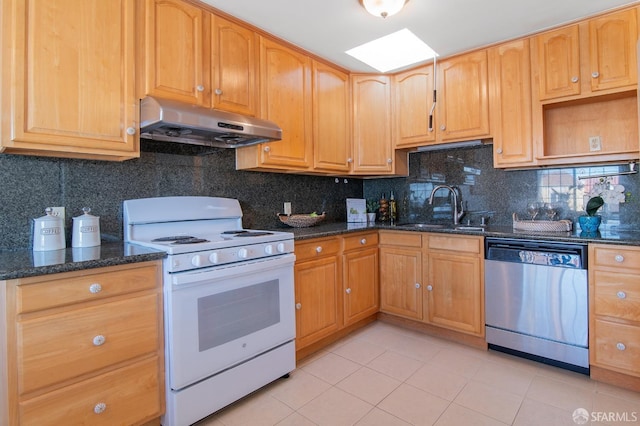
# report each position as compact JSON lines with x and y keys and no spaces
{"x":220,"y":317}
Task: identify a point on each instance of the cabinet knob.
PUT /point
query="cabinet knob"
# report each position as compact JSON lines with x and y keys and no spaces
{"x":348,"y":290}
{"x":595,"y":74}
{"x":443,"y":127}
{"x":430,"y":287}
{"x":131,"y":131}
{"x":100,"y":408}
{"x":621,"y":295}
{"x":620,"y":346}
{"x":349,"y":160}
{"x":417,"y":285}
{"x":267,"y":148}
{"x":98,"y":340}
{"x":499,"y":151}
{"x":389,"y":161}
{"x":95,"y":288}
{"x":619,"y":258}
{"x":319,"y":249}
{"x":298,"y":306}
{"x":574,"y":79}
{"x":200,"y":88}
{"x":363,"y":241}
{"x":218,"y":92}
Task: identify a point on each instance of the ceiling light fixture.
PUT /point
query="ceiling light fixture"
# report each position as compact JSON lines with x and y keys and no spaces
{"x":383,"y":8}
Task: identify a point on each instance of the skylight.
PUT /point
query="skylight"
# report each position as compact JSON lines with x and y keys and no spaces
{"x":393,"y":51}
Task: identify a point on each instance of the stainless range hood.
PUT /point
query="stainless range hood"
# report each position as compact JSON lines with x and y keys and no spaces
{"x":172,"y":121}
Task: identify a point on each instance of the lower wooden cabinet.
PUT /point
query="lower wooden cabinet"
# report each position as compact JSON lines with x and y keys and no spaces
{"x":401,"y":264}
{"x":614,"y":306}
{"x":360,"y":276}
{"x":85,"y":346}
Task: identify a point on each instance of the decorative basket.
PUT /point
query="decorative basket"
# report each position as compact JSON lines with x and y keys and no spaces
{"x":301,"y":220}
{"x":541,"y":225}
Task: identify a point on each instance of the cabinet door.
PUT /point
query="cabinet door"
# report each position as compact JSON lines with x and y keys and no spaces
{"x":612,"y":50}
{"x":360,"y":281}
{"x":285,"y":96}
{"x":331,"y":119}
{"x":234,"y":62}
{"x":558,"y":62}
{"x":463,"y":97}
{"x":373,"y":146}
{"x":400,"y":282}
{"x":176,"y":52}
{"x":454,"y":292}
{"x":510,"y":100}
{"x":413,"y":99}
{"x":317,"y":305}
{"x":68,"y":79}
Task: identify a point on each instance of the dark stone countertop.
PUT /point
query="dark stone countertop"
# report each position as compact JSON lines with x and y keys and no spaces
{"x":605,"y":236}
{"x":27,"y":263}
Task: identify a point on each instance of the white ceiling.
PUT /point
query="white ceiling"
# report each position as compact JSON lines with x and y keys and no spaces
{"x":328,"y":28}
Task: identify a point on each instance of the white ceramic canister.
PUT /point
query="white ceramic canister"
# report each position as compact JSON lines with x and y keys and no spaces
{"x":86,"y":230}
{"x":48,"y":232}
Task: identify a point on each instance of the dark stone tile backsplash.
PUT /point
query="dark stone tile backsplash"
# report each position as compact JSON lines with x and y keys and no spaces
{"x":30,"y":184}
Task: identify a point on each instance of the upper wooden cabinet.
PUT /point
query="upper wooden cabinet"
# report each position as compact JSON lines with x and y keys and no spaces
{"x":595,"y":55}
{"x":331,"y":119}
{"x":193,"y":56}
{"x":176,"y":52}
{"x":285,"y":99}
{"x":68,"y":79}
{"x":463,"y":97}
{"x":510,"y":101}
{"x":413,"y":101}
{"x":234,"y":58}
{"x":373,"y":150}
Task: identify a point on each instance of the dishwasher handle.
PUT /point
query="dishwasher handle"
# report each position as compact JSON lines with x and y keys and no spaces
{"x":547,"y":253}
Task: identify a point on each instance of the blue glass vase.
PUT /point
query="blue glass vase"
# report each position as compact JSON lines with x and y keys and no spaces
{"x":589,"y":223}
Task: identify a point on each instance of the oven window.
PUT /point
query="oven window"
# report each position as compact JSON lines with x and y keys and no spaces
{"x":228,"y":316}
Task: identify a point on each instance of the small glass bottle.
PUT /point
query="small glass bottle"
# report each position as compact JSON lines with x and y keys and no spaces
{"x":393,"y":209}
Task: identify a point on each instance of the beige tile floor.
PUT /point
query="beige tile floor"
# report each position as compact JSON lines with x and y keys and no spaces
{"x":386,"y":375}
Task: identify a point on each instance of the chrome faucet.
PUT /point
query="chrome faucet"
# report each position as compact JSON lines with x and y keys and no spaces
{"x":457,"y":214}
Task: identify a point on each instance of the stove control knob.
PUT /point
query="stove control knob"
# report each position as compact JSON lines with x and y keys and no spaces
{"x":243,"y":253}
{"x":268,"y":249}
{"x":280,"y":248}
{"x":213,"y":258}
{"x":196,"y":260}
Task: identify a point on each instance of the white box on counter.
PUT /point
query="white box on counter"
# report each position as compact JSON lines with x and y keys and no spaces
{"x":356,"y":210}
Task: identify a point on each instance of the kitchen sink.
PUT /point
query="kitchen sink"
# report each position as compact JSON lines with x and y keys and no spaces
{"x":422,"y":225}
{"x":469,"y":228}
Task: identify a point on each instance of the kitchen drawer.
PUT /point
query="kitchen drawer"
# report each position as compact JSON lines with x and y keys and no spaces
{"x":617,"y":294}
{"x":617,"y":345}
{"x":42,"y":292}
{"x":455,"y":243}
{"x":129,"y":394}
{"x":404,"y":239}
{"x":58,"y":347}
{"x":316,"y":248}
{"x":621,"y":258}
{"x":359,"y":241}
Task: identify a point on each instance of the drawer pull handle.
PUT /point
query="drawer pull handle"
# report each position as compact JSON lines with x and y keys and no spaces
{"x":298,"y":306}
{"x":348,"y":290}
{"x":417,"y":285}
{"x":100,"y":408}
{"x":99,"y":340}
{"x":319,"y":249}
{"x":430,"y":287}
{"x":621,"y":295}
{"x":620,"y":346}
{"x":363,"y":241}
{"x":95,"y":288}
{"x":619,"y":258}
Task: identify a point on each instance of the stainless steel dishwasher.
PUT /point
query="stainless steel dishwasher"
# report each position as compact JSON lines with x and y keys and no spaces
{"x":536,"y":300}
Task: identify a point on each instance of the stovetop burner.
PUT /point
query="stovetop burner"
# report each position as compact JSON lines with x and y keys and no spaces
{"x":254,"y":234}
{"x":180,"y":239}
